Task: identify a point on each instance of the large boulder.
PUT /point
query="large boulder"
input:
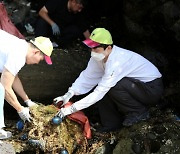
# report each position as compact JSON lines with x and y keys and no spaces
{"x":44,"y":82}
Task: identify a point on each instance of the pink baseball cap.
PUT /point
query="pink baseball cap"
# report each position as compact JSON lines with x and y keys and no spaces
{"x":97,"y":37}
{"x":48,"y":60}
{"x":90,"y":43}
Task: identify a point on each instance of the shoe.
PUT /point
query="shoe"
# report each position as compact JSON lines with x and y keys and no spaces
{"x":4,"y":134}
{"x":134,"y":118}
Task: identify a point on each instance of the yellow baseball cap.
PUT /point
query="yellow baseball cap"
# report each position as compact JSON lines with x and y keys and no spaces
{"x":97,"y":37}
{"x":45,"y":45}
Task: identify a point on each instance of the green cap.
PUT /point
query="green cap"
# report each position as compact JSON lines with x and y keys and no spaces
{"x":97,"y":37}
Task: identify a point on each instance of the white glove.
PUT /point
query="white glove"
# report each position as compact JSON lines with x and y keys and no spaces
{"x":24,"y":114}
{"x":64,"y":98}
{"x":66,"y":111}
{"x":29,"y":103}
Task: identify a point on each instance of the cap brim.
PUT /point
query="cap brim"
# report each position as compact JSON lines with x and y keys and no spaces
{"x":90,"y":43}
{"x":48,"y":60}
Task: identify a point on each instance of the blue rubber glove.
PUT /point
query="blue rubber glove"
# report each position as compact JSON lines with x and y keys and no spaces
{"x":55,"y":29}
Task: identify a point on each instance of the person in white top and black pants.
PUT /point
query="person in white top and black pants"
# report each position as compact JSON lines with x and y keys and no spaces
{"x":129,"y":82}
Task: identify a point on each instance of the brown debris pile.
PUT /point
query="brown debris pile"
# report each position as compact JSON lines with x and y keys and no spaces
{"x":42,"y":135}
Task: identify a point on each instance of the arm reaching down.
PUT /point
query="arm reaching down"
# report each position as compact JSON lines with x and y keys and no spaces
{"x":7,"y":80}
{"x":43,"y":13}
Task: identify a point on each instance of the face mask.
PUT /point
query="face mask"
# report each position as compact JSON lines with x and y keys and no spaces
{"x":97,"y":56}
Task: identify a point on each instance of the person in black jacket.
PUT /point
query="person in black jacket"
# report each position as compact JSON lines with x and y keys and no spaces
{"x":62,"y":21}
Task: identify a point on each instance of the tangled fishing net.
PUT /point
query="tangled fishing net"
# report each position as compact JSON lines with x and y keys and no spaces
{"x":44,"y":136}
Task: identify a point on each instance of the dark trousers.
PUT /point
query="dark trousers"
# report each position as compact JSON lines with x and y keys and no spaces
{"x":128,"y":95}
{"x":67,"y":34}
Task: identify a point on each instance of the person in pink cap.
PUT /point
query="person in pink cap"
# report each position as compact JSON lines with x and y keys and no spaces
{"x":124,"y":84}
{"x":14,"y":54}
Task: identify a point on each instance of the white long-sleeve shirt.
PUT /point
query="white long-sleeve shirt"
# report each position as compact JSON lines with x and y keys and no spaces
{"x":120,"y":63}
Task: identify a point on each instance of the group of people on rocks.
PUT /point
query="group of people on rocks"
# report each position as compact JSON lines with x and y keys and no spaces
{"x":123,"y":83}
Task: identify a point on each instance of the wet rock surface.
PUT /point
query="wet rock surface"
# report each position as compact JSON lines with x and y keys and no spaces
{"x":159,"y":134}
{"x":44,"y":82}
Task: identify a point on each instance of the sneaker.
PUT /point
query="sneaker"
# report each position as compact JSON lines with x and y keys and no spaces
{"x":132,"y":118}
{"x":4,"y":134}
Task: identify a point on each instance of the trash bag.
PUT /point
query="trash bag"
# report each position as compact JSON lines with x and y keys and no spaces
{"x":6,"y":23}
{"x":80,"y":118}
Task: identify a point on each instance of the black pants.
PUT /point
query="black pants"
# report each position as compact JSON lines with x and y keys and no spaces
{"x":67,"y":34}
{"x":128,"y":95}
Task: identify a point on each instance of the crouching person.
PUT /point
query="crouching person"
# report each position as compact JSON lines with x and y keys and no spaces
{"x":126,"y":84}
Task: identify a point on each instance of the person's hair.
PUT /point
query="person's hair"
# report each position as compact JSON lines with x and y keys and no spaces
{"x":104,"y":46}
{"x":83,"y":2}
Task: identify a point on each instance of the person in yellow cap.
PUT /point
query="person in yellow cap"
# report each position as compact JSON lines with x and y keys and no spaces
{"x":125,"y":84}
{"x":14,"y":54}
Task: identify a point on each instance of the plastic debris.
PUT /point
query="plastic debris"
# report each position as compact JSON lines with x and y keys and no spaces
{"x":20,"y":125}
{"x":37,"y":143}
{"x":56,"y":120}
